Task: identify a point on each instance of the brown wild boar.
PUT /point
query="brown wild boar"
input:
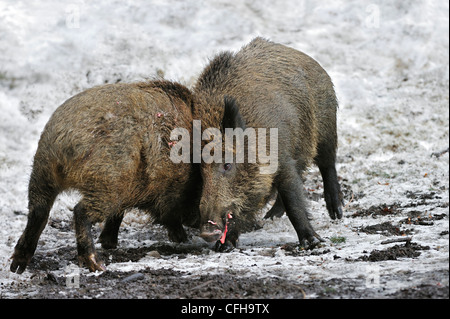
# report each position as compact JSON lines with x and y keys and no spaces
{"x":112,"y":144}
{"x":267,"y":85}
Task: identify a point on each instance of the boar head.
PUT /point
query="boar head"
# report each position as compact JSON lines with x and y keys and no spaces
{"x":233,"y":190}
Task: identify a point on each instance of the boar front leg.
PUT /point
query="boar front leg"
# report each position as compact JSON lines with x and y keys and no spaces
{"x":85,"y":244}
{"x":172,"y":222}
{"x":290,"y":188}
{"x":277,"y":209}
{"x":176,"y":232}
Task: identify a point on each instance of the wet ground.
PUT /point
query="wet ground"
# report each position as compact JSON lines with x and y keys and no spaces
{"x":169,"y":284}
{"x":47,"y":279}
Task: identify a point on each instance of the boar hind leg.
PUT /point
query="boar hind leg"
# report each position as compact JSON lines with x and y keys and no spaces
{"x":40,"y":203}
{"x":110,"y":233}
{"x":85,"y":244}
{"x":24,"y":250}
{"x":331,"y":191}
{"x":325,"y":159}
{"x":290,"y":188}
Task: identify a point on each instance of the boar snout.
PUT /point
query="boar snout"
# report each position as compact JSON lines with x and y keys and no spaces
{"x":215,"y":228}
{"x":210,"y":232}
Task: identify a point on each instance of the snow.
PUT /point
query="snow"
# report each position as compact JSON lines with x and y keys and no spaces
{"x":389,"y":62}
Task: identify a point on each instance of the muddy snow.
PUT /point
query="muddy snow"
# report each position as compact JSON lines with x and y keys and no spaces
{"x":389,"y":62}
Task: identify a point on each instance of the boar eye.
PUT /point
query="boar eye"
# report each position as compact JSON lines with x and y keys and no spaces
{"x":227,"y":167}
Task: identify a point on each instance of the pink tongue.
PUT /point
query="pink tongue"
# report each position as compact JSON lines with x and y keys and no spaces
{"x":224,"y":235}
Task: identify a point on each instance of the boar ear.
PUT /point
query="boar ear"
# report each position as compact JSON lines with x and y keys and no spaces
{"x":232,"y":117}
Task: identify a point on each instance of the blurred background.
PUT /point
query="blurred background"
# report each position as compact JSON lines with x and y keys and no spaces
{"x":380,"y":55}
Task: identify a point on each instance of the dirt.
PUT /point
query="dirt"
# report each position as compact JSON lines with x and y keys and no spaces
{"x":378,"y":210}
{"x":170,"y":284}
{"x":398,"y":233}
{"x":409,"y":250}
{"x":385,"y":228}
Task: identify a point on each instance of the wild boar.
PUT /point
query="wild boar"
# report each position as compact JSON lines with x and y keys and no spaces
{"x":271,"y":86}
{"x":112,"y":144}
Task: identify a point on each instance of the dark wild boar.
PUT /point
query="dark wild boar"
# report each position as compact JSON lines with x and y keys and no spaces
{"x":112,"y":144}
{"x":267,"y":85}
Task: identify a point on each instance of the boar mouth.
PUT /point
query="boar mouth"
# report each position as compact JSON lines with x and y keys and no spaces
{"x":212,"y":232}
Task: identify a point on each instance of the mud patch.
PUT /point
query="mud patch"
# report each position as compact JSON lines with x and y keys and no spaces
{"x":61,"y":257}
{"x":159,"y":249}
{"x":295,"y":250}
{"x":54,"y":260}
{"x":422,"y":196}
{"x":409,"y":250}
{"x":422,"y":218}
{"x":423,"y":291}
{"x":378,"y":210}
{"x":170,"y":284}
{"x":386,"y":229}
{"x":425,"y":198}
{"x":167,"y":284}
{"x":417,"y":199}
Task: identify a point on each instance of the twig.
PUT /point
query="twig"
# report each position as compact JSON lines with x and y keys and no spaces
{"x":396,"y":240}
{"x":351,"y":200}
{"x":303,"y":292}
{"x":439,"y":154}
{"x":202,"y":285}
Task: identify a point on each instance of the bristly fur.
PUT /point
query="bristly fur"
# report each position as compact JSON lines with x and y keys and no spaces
{"x":268,"y":85}
{"x":112,"y":144}
{"x":231,"y":117}
{"x":216,"y":72}
{"x":172,"y":89}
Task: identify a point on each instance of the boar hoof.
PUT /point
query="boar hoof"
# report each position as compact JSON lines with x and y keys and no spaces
{"x":334,"y":210}
{"x":108,"y":243}
{"x":335,"y":213}
{"x":339,"y":212}
{"x":179,"y":236}
{"x":20,"y":262}
{"x":226,"y":247}
{"x":311,"y":242}
{"x":91,"y":262}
